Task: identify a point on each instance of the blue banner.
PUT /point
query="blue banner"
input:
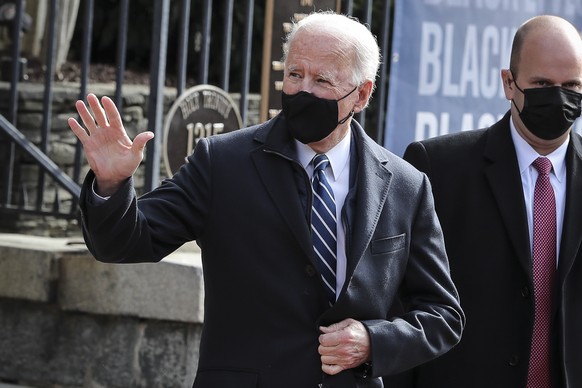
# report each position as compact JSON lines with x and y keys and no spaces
{"x":446,"y":62}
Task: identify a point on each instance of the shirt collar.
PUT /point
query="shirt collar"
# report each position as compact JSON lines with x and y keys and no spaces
{"x":338,"y":156}
{"x":526,"y":154}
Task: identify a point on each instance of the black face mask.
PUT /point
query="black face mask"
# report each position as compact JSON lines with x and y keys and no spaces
{"x":310,"y":118}
{"x":549,"y":112}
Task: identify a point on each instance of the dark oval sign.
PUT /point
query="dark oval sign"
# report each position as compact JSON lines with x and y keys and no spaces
{"x":200,"y":111}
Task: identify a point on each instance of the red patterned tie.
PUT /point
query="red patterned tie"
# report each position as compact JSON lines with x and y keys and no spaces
{"x":544,"y":267}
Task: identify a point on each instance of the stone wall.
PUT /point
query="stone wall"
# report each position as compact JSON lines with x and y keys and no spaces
{"x":68,"y":321}
{"x":62,"y":142}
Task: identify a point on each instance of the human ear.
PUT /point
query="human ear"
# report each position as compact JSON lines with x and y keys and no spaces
{"x":364,"y":93}
{"x":508,"y":82}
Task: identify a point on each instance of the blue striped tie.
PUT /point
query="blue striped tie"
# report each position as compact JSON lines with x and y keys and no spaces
{"x":323,"y":223}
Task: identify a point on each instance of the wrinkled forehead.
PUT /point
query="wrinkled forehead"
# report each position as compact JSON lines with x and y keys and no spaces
{"x":322,"y":46}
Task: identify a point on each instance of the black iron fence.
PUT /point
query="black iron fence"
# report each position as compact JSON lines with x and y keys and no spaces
{"x":46,"y":197}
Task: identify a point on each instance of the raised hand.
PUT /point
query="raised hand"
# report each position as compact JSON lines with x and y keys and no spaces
{"x":111,"y":154}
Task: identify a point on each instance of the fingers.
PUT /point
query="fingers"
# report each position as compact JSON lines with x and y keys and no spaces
{"x":77,"y":129}
{"x":98,"y":111}
{"x":111,"y":112}
{"x":336,"y":326}
{"x":86,"y":116}
{"x":331,"y":369}
{"x":102,"y":114}
{"x":343,"y":345}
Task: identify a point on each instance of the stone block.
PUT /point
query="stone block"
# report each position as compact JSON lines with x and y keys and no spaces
{"x":42,"y":346}
{"x":25,"y":277}
{"x":69,"y":321}
{"x":27,"y":265}
{"x":169,"y":290}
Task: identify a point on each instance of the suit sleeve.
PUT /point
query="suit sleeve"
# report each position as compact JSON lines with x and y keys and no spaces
{"x":431,"y":320}
{"x":118,"y":230}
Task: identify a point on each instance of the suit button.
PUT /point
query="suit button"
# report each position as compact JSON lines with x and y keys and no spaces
{"x":310,"y":271}
{"x":514,"y":360}
{"x":525,"y":292}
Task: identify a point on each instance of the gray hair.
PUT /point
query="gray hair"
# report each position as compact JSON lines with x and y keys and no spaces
{"x":356,"y":37}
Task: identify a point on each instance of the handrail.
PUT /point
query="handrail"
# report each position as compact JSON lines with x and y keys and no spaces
{"x":42,"y":159}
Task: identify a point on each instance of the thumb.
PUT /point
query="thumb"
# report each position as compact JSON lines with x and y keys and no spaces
{"x":140,"y":141}
{"x":335,"y":326}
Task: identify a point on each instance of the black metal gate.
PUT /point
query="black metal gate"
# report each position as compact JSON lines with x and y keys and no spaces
{"x":211,"y":54}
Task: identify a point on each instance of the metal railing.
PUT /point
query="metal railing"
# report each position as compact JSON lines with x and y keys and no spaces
{"x":14,"y":195}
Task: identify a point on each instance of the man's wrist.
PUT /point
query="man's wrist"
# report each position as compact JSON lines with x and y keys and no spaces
{"x":96,"y":197}
{"x":106,"y":189}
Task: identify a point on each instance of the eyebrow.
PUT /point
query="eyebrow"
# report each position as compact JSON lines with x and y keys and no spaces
{"x":292,"y":68}
{"x":326,"y":75}
{"x":550,"y":81}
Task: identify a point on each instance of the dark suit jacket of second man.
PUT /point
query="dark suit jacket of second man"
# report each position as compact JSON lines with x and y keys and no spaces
{"x":479,"y":200}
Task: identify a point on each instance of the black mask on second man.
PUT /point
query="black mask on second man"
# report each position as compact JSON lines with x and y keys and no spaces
{"x":548,"y":112}
{"x":311,"y":118}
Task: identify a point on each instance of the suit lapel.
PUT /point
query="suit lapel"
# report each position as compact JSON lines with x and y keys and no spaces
{"x":505,"y":183}
{"x":278,"y":176}
{"x":274,"y":163}
{"x":572,"y":228}
{"x":372,"y":186}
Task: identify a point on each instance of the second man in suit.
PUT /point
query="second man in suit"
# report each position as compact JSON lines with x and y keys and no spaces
{"x":515,"y":250}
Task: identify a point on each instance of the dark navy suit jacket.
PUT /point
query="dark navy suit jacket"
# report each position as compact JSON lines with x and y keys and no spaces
{"x":242,"y":196}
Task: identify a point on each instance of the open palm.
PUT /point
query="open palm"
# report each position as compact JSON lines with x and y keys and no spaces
{"x":111,"y":154}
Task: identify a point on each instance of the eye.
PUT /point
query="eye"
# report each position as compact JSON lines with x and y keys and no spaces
{"x":294,"y":75}
{"x":542,"y":83}
{"x":576,"y":86}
